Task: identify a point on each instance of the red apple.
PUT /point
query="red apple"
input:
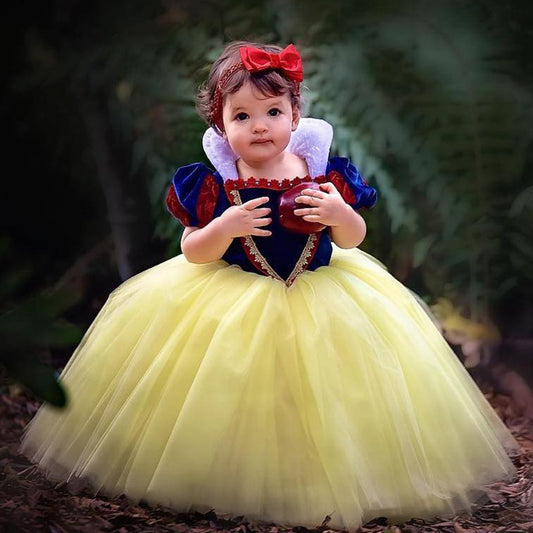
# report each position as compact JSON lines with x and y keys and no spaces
{"x":287,"y":205}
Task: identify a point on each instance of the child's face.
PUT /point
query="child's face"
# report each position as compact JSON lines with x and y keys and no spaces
{"x":258,"y":127}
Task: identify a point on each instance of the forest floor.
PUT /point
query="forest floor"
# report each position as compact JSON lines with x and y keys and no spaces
{"x":31,"y":503}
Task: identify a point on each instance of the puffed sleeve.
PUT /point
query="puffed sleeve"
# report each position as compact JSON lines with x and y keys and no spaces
{"x":349,"y":182}
{"x":193,"y":195}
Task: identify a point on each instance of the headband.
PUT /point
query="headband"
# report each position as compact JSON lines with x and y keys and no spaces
{"x":288,"y":62}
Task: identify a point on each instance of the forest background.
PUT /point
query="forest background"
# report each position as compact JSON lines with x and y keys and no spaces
{"x":433,"y":101}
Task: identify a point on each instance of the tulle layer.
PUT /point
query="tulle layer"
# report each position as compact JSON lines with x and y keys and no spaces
{"x":204,"y":386}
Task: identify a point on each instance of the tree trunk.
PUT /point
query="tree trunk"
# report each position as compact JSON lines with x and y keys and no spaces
{"x":126,"y":194}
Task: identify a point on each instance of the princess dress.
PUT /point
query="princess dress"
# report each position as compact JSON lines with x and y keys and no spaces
{"x":289,"y":381}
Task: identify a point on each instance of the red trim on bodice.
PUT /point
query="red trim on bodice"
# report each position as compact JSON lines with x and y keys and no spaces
{"x":278,"y":185}
{"x":264,"y":183}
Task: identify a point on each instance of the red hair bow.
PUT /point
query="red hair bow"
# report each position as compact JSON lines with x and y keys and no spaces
{"x":288,"y":61}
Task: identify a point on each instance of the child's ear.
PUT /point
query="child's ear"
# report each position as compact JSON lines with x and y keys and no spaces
{"x":295,"y":118}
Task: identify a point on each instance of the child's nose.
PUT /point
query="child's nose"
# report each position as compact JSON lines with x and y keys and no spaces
{"x":259,"y":126}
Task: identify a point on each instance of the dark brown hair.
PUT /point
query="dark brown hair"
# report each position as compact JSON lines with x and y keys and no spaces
{"x":269,"y":82}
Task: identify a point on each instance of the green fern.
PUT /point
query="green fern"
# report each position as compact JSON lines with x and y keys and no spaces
{"x":433,"y":118}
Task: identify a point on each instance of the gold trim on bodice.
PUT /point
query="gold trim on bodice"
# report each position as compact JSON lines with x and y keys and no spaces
{"x":304,"y":259}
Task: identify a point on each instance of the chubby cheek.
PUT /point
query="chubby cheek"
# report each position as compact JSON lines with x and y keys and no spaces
{"x":283,"y":139}
{"x":236,"y":142}
{"x":287,"y":138}
{"x":233,"y":138}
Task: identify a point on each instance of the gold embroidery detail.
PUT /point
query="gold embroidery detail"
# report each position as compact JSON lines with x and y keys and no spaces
{"x":236,"y":197}
{"x":258,"y":256}
{"x":300,"y":265}
{"x":303,"y":261}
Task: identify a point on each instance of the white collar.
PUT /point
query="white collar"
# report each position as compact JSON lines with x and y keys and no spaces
{"x":311,"y":141}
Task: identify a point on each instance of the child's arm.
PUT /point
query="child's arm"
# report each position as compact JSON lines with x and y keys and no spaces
{"x":351,"y":230}
{"x":203,"y":245}
{"x":348,"y":229}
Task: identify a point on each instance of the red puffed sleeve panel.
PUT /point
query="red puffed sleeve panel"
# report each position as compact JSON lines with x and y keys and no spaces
{"x":207,"y":200}
{"x":342,"y":186}
{"x":354,"y":189}
{"x":193,"y":195}
{"x":175,"y":208}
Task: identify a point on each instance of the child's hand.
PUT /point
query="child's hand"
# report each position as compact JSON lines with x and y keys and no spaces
{"x":325,"y":206}
{"x":247,"y":219}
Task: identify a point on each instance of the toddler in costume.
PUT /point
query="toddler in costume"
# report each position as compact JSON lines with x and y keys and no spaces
{"x":273,"y":370}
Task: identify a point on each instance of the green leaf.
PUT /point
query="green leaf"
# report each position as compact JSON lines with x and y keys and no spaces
{"x":38,"y":378}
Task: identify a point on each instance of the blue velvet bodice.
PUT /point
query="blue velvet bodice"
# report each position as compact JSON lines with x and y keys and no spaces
{"x":283,"y":248}
{"x":198,"y":195}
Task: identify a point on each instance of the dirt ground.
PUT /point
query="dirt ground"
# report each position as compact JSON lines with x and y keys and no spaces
{"x":31,"y":503}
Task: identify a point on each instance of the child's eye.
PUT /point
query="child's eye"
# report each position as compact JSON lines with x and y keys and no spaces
{"x":274,"y":112}
{"x":241,"y":116}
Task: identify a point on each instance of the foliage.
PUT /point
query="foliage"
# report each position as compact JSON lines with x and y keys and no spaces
{"x":431,"y":100}
{"x":423,"y":99}
{"x":27,"y":324}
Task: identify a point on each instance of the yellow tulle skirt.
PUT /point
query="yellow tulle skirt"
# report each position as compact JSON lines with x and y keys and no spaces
{"x":204,"y":387}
